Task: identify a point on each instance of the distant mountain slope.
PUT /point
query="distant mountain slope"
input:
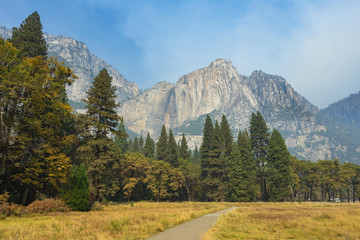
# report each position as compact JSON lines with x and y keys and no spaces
{"x":219,"y":89}
{"x":85,"y":65}
{"x":345,"y":111}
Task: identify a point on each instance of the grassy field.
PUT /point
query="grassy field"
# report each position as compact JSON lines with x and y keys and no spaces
{"x":289,"y":221}
{"x":141,"y":221}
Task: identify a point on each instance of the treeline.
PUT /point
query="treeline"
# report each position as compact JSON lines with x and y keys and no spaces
{"x":49,"y":151}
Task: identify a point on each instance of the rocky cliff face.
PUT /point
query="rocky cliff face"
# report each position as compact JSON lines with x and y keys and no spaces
{"x":85,"y":65}
{"x":219,"y":89}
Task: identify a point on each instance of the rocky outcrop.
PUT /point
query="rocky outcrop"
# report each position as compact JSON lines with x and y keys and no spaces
{"x":85,"y":65}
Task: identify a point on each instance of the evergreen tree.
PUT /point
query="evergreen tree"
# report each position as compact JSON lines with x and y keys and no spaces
{"x":207,"y":140}
{"x":135,"y":145}
{"x":100,"y":153}
{"x":141,"y":144}
{"x":101,"y":106}
{"x":227,"y":136}
{"x":278,"y":173}
{"x":130,"y":145}
{"x":149,"y":148}
{"x":196,"y":156}
{"x":29,"y":37}
{"x":78,"y":194}
{"x":173,"y":155}
{"x":259,"y":142}
{"x":242,"y":175}
{"x":161,"y":145}
{"x":184,"y":149}
{"x":121,"y":137}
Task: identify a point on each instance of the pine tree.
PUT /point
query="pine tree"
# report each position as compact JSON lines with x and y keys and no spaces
{"x":207,"y":139}
{"x":277,"y":172}
{"x":29,"y":37}
{"x":149,"y":148}
{"x":242,"y":175}
{"x":100,"y":153}
{"x":101,"y":106}
{"x":121,"y":137}
{"x":227,"y":136}
{"x":173,"y":155}
{"x":196,"y":156}
{"x":130,"y":145}
{"x":161,"y":145}
{"x":135,"y":145}
{"x":141,"y":144}
{"x":259,"y":142}
{"x":184,"y":149}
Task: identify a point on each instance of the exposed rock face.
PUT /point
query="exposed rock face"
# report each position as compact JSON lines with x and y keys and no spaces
{"x":85,"y":65}
{"x":219,"y":89}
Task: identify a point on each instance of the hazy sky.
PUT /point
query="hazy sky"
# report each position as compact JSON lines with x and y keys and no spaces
{"x":315,"y":45}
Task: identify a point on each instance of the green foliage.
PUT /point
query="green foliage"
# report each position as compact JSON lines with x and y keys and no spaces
{"x":196,"y":156}
{"x":242,"y":176}
{"x":259,"y":137}
{"x":184,"y":151}
{"x":192,"y":179}
{"x":121,"y":137}
{"x":173,"y":154}
{"x":277,"y":171}
{"x":149,"y":147}
{"x":29,"y":37}
{"x":101,"y":106}
{"x":78,"y":193}
{"x":100,"y":154}
{"x":161,"y":145}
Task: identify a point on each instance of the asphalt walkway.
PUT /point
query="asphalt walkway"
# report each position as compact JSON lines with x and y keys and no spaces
{"x":191,"y":230}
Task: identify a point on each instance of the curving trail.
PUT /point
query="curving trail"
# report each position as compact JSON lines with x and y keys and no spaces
{"x":191,"y":230}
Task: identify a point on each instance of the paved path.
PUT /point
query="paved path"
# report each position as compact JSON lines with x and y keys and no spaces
{"x":191,"y":230}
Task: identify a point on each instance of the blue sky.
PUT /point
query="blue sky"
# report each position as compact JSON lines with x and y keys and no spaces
{"x":315,"y":45}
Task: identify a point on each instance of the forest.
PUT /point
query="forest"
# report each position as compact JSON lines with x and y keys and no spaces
{"x":49,"y":151}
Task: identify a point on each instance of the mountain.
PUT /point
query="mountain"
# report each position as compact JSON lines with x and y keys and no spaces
{"x":219,"y":89}
{"x":345,"y":111}
{"x":85,"y":65}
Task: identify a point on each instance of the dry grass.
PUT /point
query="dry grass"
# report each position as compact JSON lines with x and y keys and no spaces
{"x":289,"y":221}
{"x":141,"y":221}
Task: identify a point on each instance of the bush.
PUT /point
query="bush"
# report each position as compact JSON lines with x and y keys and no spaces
{"x":46,"y":206}
{"x":7,"y":209}
{"x":78,"y":194}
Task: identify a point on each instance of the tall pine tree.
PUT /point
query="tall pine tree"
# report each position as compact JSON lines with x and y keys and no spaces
{"x":278,"y":173}
{"x":161,"y":145}
{"x":100,"y":153}
{"x":173,"y":154}
{"x":184,"y":149}
{"x":149,"y":147}
{"x":29,"y":37}
{"x":259,"y":137}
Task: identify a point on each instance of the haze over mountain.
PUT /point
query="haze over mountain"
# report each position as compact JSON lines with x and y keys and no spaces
{"x":218,"y":89}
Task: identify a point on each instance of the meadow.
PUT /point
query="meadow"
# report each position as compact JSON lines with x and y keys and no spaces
{"x":125,"y":221}
{"x":288,"y":221}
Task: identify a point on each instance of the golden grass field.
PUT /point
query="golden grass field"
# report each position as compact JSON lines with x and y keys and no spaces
{"x":141,"y":221}
{"x":288,"y":221}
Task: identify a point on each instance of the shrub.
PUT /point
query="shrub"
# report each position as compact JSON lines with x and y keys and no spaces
{"x":7,"y":209}
{"x":47,"y":205}
{"x":78,"y":194}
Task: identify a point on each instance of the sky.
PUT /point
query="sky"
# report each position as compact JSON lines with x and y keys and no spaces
{"x":314,"y":45}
